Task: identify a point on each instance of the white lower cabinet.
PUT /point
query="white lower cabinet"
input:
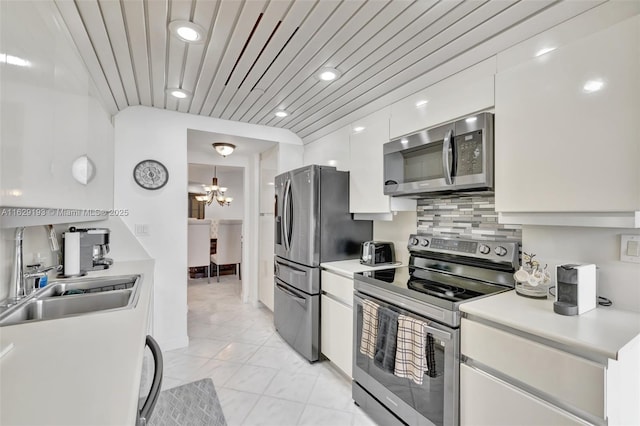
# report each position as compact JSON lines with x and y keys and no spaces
{"x":486,"y":400}
{"x":336,"y":341}
{"x":336,"y":320}
{"x":508,"y":377}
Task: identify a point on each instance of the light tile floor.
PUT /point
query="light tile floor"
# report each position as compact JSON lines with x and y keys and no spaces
{"x":259,"y":379}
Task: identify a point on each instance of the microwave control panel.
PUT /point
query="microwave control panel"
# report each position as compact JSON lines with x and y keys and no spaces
{"x":469,"y":152}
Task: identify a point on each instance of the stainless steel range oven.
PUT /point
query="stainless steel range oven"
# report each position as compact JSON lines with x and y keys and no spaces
{"x":442,"y":274}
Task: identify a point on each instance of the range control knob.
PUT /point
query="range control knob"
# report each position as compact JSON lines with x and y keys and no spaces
{"x":424,"y":243}
{"x":414,"y":241}
{"x":485,"y":249}
{"x":500,"y":251}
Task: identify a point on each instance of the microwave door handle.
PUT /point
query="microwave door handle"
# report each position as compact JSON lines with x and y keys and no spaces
{"x":447,"y":157}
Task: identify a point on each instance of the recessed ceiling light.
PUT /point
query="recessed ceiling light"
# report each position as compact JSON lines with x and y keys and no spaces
{"x":328,"y":74}
{"x":179,"y":93}
{"x":471,"y":119}
{"x":281,"y":113}
{"x":545,"y":50}
{"x":187,"y":31}
{"x":593,"y":86}
{"x":358,"y":129}
{"x":421,"y":103}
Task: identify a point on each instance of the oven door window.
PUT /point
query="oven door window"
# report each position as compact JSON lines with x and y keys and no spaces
{"x":435,"y":398}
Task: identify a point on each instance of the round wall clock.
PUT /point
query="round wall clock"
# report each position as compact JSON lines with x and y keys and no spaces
{"x":150,"y":174}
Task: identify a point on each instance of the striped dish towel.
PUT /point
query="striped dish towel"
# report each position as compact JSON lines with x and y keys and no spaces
{"x":369,"y":328}
{"x":411,"y":357}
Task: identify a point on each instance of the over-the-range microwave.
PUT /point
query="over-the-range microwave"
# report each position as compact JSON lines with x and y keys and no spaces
{"x":453,"y":157}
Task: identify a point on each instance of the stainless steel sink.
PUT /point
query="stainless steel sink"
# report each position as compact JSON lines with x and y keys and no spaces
{"x":71,"y":298}
{"x":87,"y":286}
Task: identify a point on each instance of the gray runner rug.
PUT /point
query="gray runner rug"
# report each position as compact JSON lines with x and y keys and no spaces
{"x":193,"y":404}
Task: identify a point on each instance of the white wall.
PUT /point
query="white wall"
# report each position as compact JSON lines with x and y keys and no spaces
{"x":330,"y":150}
{"x":289,"y":157}
{"x":556,"y":245}
{"x":141,"y":133}
{"x":397,"y":231}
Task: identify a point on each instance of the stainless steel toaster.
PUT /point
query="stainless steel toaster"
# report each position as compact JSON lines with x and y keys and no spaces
{"x":377,"y":253}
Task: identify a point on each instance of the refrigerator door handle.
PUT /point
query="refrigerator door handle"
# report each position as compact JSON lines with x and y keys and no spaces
{"x":285,"y":215}
{"x":299,"y":299}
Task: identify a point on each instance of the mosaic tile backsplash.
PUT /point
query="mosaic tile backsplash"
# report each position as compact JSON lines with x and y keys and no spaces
{"x":467,"y":217}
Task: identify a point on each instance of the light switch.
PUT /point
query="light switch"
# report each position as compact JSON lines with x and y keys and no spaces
{"x":630,"y":248}
{"x":141,"y":229}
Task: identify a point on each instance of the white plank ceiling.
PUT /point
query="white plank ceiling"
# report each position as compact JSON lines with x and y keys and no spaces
{"x":260,"y":55}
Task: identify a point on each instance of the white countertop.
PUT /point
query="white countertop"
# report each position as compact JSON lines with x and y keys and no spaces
{"x":82,"y":370}
{"x":351,"y":266}
{"x":603,"y":331}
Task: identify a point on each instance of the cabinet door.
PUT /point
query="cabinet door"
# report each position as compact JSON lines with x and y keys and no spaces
{"x":560,"y":144}
{"x":338,"y":286}
{"x":486,"y":400}
{"x":464,"y":93}
{"x":336,"y":332}
{"x":366,"y":182}
{"x":539,"y":366}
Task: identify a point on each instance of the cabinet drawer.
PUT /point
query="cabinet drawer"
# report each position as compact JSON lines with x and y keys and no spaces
{"x":571,"y":379}
{"x":338,"y":286}
{"x":485,"y":400}
{"x":336,"y":333}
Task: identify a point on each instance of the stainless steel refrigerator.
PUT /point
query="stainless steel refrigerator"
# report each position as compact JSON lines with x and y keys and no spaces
{"x":313,"y":225}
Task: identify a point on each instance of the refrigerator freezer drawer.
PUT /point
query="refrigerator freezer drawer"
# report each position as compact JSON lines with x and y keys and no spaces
{"x":297,"y":319}
{"x":303,"y":278}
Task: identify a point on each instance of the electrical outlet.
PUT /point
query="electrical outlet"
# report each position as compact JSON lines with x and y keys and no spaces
{"x":630,"y":248}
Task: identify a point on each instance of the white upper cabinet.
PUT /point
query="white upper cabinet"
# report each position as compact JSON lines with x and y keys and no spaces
{"x":49,"y":116}
{"x":464,"y":93}
{"x":366,"y":183}
{"x":568,"y":130}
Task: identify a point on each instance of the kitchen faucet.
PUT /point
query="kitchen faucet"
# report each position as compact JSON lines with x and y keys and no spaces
{"x":17,"y":288}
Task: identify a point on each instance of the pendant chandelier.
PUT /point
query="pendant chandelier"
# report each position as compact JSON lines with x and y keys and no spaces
{"x":215,"y":192}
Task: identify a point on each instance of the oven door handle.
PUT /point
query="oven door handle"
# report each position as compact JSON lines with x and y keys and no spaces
{"x":443,"y":335}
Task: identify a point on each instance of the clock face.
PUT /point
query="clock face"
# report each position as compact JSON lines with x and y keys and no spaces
{"x":150,"y":174}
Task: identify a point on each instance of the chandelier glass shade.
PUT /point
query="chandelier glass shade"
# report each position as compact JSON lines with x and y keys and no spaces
{"x":215,"y":192}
